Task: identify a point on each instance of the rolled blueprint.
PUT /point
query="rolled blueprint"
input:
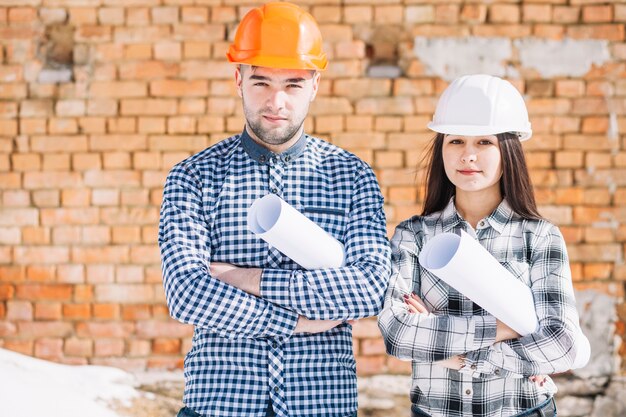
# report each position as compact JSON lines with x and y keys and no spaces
{"x":293,"y":234}
{"x":468,"y":267}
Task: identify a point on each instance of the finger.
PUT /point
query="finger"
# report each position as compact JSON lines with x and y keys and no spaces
{"x":412,"y":309}
{"x":419,"y":301}
{"x":415,"y":303}
{"x":351,"y":322}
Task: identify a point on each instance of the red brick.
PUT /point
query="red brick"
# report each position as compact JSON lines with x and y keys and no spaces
{"x":565,"y":14}
{"x":36,"y":235}
{"x":504,"y":13}
{"x":41,"y":254}
{"x":126,"y":293}
{"x":12,"y":274}
{"x":154,"y":329}
{"x":58,"y":292}
{"x":609,"y":32}
{"x":104,"y":329}
{"x":76,"y":311}
{"x":107,"y":254}
{"x":22,"y":15}
{"x":106,"y":311}
{"x":146,"y":107}
{"x":597,"y":14}
{"x":163,"y":346}
{"x":41,"y":273}
{"x":136,"y":312}
{"x":19,"y":311}
{"x":24,"y":347}
{"x":141,"y":34}
{"x":118,"y":89}
{"x":56,"y":162}
{"x":370,"y":365}
{"x":69,"y":216}
{"x":137,"y":16}
{"x":474,"y":13}
{"x":47,"y":311}
{"x":139,"y":348}
{"x":78,"y":347}
{"x":92,"y":33}
{"x":108,"y":347}
{"x":116,"y":160}
{"x":98,"y":274}
{"x":49,"y":348}
{"x":537,"y":13}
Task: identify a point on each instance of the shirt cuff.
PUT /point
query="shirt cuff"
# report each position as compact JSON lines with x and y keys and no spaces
{"x":275,"y":286}
{"x":484,"y":331}
{"x":282,"y":323}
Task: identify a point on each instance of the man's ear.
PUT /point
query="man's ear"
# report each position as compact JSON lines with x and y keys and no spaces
{"x":239,"y":80}
{"x":316,"y":84}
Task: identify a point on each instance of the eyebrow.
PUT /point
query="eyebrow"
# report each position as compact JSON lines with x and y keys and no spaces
{"x":287,"y":81}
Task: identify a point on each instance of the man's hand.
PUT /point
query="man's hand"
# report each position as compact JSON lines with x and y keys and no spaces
{"x":246,"y":279}
{"x":305,"y":325}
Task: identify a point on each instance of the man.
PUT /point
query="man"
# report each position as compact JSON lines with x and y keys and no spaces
{"x":271,"y":338}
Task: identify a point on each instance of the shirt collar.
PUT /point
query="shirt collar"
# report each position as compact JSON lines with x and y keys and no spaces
{"x":263,"y":155}
{"x":498,"y":219}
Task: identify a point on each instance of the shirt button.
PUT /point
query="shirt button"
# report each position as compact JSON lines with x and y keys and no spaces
{"x":482,"y":223}
{"x":274,"y":345}
{"x":473,"y":366}
{"x":468,"y":391}
{"x":275,"y":389}
{"x":287,"y":158}
{"x":262,"y":158}
{"x":497,"y":372}
{"x":274,"y":190}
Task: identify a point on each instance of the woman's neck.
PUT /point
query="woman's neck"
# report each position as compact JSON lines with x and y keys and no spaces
{"x":475,"y":206}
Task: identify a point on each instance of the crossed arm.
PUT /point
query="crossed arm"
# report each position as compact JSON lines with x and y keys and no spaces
{"x":230,"y":301}
{"x":411,"y":333}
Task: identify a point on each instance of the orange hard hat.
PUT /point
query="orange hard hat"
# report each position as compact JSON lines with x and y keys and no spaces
{"x":278,"y":35}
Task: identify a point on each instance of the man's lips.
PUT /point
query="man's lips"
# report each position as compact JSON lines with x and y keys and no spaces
{"x":274,"y":119}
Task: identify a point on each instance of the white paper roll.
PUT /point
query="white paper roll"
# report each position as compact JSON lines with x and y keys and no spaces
{"x":468,"y":267}
{"x":293,"y":234}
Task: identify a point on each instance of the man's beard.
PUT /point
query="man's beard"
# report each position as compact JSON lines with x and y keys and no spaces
{"x":270,"y":136}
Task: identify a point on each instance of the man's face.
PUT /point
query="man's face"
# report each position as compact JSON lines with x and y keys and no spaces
{"x":275,"y":101}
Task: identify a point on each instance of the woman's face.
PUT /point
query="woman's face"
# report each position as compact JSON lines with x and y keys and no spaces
{"x":473,"y":163}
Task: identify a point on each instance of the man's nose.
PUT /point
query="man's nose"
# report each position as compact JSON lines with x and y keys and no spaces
{"x":277,"y":99}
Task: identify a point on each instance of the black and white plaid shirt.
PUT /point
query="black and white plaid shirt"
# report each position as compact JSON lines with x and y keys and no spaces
{"x":494,"y":381}
{"x":244,"y":351}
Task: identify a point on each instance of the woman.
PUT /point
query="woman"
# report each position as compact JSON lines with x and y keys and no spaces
{"x":465,"y":362}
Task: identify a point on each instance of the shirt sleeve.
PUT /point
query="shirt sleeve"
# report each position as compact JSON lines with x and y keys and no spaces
{"x":351,"y":292}
{"x":424,"y":337}
{"x":551,"y":348}
{"x":192,"y":295}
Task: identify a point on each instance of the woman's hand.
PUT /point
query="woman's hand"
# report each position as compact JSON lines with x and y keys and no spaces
{"x":415,"y":304}
{"x":539,"y":380}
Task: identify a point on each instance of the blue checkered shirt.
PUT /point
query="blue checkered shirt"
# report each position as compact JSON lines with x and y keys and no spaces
{"x":245,"y":353}
{"x":494,"y":381}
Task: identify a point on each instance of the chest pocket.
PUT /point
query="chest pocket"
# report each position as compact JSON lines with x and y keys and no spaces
{"x":519,"y":270}
{"x":332,"y":220}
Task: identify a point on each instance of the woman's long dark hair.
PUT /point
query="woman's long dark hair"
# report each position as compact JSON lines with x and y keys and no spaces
{"x":515,"y":183}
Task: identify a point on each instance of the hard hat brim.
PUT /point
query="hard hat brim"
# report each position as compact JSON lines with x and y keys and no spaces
{"x":304,"y":62}
{"x":472,"y":130}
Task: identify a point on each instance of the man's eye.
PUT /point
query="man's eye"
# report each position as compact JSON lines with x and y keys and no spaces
{"x":260,"y":84}
{"x":294,"y":86}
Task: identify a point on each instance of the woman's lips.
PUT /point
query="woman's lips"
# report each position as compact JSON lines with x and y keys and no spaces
{"x":468,"y":172}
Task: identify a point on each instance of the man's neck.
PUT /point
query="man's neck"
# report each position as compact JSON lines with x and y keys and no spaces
{"x":277,"y":149}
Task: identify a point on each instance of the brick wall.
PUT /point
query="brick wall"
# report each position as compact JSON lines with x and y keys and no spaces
{"x":99,"y":98}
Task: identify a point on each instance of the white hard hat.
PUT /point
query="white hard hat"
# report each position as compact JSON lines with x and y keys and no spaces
{"x":476,"y":105}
